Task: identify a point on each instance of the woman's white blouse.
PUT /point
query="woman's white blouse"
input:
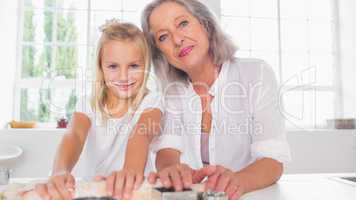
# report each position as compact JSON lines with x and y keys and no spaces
{"x":246,"y":120}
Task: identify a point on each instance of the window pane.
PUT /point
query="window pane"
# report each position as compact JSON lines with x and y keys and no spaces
{"x":321,"y":38}
{"x":264,"y":34}
{"x":40,"y":3}
{"x":69,"y":60}
{"x":271,"y":58}
{"x":92,"y":58}
{"x":297,"y":9}
{"x":243,"y":53}
{"x":31,"y":106}
{"x":265,"y":8}
{"x":36,"y":61}
{"x":294,"y":35}
{"x":324,"y":108}
{"x":73,"y":4}
{"x":323,"y":64}
{"x":235,"y":7}
{"x":239,"y":30}
{"x":98,"y":19}
{"x":113,"y":5}
{"x":133,"y":17}
{"x":47,"y":105}
{"x":134,"y":5}
{"x":308,"y":109}
{"x":321,"y":10}
{"x":297,"y":108}
{"x":59,"y":4}
{"x":38,"y":26}
{"x":69,"y":25}
{"x":293,"y":66}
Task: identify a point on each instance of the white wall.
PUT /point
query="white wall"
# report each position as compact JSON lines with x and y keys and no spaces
{"x":39,"y":148}
{"x":312,"y":151}
{"x":348,"y":55}
{"x":323,"y":151}
{"x":8,"y":35}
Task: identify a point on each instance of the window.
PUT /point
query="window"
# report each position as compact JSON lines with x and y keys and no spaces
{"x":56,"y":51}
{"x":298,"y":38}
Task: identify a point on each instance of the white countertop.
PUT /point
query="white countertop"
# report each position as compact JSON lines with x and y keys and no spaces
{"x":297,"y":187}
{"x":307,"y":187}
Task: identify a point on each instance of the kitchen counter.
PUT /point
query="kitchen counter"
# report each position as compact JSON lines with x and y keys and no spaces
{"x":307,"y":187}
{"x":298,"y":187}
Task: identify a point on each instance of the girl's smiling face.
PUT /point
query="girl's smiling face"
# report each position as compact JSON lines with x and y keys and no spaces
{"x":123,"y":68}
{"x":180,"y":36}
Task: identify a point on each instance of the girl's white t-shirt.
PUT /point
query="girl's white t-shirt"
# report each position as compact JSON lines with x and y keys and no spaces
{"x":105,"y":147}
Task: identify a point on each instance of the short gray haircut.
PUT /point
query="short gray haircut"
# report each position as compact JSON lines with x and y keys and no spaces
{"x":221,"y":47}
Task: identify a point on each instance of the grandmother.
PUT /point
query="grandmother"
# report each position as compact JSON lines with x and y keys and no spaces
{"x":222,"y":120}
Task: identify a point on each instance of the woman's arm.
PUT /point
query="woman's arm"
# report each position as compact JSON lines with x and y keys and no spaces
{"x":260,"y":174}
{"x":72,"y":144}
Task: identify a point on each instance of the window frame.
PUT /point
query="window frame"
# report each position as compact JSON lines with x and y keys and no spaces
{"x":336,"y":86}
{"x":29,"y":83}
{"x":20,"y":83}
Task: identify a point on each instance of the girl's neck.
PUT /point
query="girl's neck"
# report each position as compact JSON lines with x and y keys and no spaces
{"x":117,"y":107}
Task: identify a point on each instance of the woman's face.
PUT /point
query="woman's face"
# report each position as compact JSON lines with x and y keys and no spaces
{"x":122,"y":63}
{"x":180,"y":36}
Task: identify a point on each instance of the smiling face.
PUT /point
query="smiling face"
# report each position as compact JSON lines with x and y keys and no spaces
{"x":122,"y":63}
{"x":180,"y":36}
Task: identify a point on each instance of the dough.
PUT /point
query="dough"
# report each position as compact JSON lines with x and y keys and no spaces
{"x":87,"y":189}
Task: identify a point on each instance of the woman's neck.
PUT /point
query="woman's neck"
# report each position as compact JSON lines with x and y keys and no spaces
{"x":203,"y":76}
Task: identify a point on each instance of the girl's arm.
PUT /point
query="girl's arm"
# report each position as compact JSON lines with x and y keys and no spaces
{"x":122,"y":183}
{"x":146,"y":128}
{"x":61,"y":181}
{"x":72,"y":144}
{"x":166,"y":158}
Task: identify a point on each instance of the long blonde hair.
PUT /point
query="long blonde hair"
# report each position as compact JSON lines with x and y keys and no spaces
{"x":113,"y":30}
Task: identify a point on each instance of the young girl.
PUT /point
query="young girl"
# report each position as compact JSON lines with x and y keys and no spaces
{"x":124,"y":117}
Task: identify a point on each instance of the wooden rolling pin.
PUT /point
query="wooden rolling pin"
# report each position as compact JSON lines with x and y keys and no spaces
{"x":22,"y":124}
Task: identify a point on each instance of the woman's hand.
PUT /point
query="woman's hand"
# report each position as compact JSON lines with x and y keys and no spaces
{"x":58,"y":187}
{"x":225,"y":180}
{"x":121,"y":184}
{"x":180,"y":176}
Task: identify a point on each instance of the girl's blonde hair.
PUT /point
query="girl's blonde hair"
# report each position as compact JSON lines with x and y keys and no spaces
{"x":114,"y":30}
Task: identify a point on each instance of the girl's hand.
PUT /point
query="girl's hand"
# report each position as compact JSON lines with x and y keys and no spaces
{"x":121,"y":184}
{"x":58,"y":187}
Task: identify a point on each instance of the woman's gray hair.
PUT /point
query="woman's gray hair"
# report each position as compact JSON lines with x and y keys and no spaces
{"x":221,"y":47}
